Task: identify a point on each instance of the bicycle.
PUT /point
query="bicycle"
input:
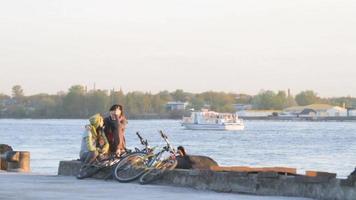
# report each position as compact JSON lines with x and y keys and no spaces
{"x":147,"y":164}
{"x":88,"y":170}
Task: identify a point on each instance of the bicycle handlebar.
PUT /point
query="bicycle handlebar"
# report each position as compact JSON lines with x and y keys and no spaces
{"x":143,"y":142}
{"x":165,"y":138}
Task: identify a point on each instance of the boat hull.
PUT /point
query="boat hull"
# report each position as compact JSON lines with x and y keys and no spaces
{"x":227,"y":127}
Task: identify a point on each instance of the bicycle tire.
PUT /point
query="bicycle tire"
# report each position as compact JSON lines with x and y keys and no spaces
{"x":130,"y":167}
{"x":154,"y":174}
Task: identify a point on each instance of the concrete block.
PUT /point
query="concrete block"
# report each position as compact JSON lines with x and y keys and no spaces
{"x":347,"y":183}
{"x":3,"y":149}
{"x":320,"y":174}
{"x":267,"y":175}
{"x":309,"y":179}
{"x":18,"y":161}
{"x":69,"y":168}
{"x":281,"y":170}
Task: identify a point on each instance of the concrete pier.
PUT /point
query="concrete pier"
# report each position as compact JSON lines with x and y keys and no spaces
{"x":256,"y":181}
{"x":19,"y":186}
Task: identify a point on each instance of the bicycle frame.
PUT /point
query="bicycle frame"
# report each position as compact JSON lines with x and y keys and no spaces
{"x":154,"y":160}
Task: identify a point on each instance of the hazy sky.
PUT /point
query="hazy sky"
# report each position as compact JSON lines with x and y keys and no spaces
{"x":194,"y":45}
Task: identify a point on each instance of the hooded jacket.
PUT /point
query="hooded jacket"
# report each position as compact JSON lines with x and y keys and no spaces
{"x":91,"y":136}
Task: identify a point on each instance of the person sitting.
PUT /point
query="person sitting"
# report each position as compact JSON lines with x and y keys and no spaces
{"x":183,"y":159}
{"x":114,"y":128}
{"x":90,"y":140}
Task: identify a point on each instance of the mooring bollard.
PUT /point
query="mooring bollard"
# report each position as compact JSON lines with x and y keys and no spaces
{"x":3,"y":149}
{"x":18,"y":161}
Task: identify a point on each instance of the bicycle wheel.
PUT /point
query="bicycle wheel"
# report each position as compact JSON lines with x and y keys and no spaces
{"x":154,"y":174}
{"x":131,"y":167}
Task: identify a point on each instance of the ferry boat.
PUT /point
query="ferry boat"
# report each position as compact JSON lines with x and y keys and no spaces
{"x":210,"y":120}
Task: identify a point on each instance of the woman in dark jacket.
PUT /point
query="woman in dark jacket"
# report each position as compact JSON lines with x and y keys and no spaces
{"x":115,"y":125}
{"x":183,"y":159}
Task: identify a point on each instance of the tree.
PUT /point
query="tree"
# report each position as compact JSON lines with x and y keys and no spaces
{"x":17,"y":91}
{"x":218,"y":100}
{"x":158,"y":105}
{"x":243,"y":98}
{"x":97,"y":101}
{"x":179,"y":95}
{"x":74,"y":104}
{"x":165,"y":96}
{"x":264,"y":100}
{"x":117,"y":97}
{"x":197,"y":103}
{"x":306,"y":98}
{"x":270,"y":100}
{"x":43,"y":105}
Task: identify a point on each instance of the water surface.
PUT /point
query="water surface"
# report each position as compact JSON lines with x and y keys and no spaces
{"x":323,"y":146}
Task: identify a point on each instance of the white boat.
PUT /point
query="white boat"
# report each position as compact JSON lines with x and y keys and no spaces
{"x":210,"y":120}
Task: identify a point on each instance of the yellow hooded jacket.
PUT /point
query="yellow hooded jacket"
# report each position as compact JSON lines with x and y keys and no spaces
{"x":91,"y":136}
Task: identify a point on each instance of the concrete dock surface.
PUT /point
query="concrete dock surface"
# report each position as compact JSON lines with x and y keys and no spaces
{"x":17,"y":186}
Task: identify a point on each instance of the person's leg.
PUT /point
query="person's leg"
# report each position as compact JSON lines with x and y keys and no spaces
{"x":83,"y":156}
{"x":90,"y":157}
{"x":122,"y":142}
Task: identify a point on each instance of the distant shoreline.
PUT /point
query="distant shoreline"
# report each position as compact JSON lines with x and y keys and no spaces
{"x":317,"y":119}
{"x":268,"y":118}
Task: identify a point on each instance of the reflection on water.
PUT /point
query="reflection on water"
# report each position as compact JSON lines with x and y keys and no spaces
{"x":324,"y":146}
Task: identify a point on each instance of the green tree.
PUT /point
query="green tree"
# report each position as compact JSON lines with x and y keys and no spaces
{"x":264,"y":100}
{"x":218,"y":100}
{"x":179,"y":95}
{"x":135,"y":103}
{"x":280,"y":100}
{"x":117,"y":97}
{"x":306,"y":98}
{"x":3,"y":98}
{"x":197,"y":103}
{"x":74,"y":103}
{"x":243,"y":98}
{"x":17,"y":91}
{"x":97,"y":101}
{"x":270,"y":100}
{"x":158,"y":104}
{"x":165,"y":96}
{"x":43,"y":105}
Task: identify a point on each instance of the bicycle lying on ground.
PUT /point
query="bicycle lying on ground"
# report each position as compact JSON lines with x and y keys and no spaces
{"x":88,"y":170}
{"x":149,"y":166}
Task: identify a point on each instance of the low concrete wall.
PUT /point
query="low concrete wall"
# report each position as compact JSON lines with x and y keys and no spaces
{"x":317,"y":185}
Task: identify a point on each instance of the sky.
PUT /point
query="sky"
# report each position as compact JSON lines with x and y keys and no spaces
{"x":194,"y":45}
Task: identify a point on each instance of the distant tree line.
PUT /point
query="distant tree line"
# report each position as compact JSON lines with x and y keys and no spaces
{"x":78,"y":102}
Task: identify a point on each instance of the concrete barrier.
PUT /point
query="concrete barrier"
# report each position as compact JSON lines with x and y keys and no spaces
{"x":256,"y":181}
{"x":17,"y":161}
{"x":3,"y":149}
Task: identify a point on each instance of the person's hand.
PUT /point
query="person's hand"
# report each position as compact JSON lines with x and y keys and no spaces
{"x":118,"y":152}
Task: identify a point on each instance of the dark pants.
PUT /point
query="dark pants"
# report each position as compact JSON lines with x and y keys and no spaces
{"x":88,"y":157}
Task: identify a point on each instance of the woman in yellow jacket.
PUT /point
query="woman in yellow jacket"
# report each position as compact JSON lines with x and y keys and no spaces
{"x":94,"y":142}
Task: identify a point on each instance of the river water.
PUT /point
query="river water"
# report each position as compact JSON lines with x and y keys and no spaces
{"x":323,"y":146}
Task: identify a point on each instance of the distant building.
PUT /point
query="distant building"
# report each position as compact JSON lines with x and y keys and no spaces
{"x":176,"y":105}
{"x":320,"y":110}
{"x":307,"y":112}
{"x":239,"y":107}
{"x":256,"y":113}
{"x":7,"y":102}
